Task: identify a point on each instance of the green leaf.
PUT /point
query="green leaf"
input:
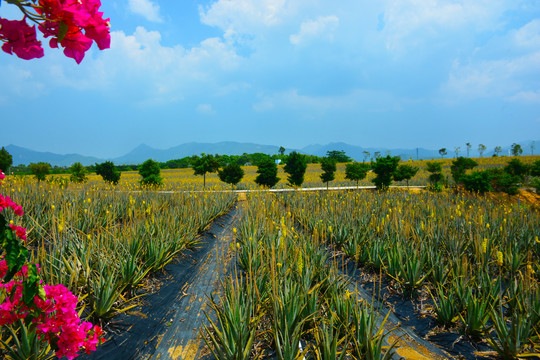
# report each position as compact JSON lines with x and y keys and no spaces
{"x":31,"y":284}
{"x":62,"y":30}
{"x":16,"y":254}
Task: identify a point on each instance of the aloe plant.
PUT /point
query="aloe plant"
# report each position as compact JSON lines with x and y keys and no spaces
{"x":238,"y":313}
{"x":445,"y":305}
{"x":330,"y":343}
{"x":369,"y":337}
{"x":476,"y":315}
{"x":512,"y":336}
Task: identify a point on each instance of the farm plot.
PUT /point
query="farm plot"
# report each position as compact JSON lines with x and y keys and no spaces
{"x":290,"y":299}
{"x":102,"y":244}
{"x":466,"y":265}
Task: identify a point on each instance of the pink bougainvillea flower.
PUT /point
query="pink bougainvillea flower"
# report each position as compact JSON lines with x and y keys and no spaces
{"x":75,"y":45}
{"x":6,"y":202}
{"x":19,"y":231}
{"x":73,"y":25}
{"x":20,"y":39}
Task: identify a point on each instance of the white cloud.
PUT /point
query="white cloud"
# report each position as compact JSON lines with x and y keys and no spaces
{"x":365,"y":99}
{"x":514,"y":78}
{"x":264,"y":105}
{"x":322,"y":27}
{"x":205,"y":109}
{"x":529,"y":35}
{"x":20,"y":81}
{"x":241,"y":15}
{"x":409,"y":22}
{"x":527,"y":97}
{"x":146,"y":8}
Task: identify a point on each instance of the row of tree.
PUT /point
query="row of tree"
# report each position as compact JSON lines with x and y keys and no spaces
{"x":386,"y":169}
{"x":507,"y":179}
{"x":515,"y":149}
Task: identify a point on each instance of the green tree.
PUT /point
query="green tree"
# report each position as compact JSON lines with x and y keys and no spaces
{"x":40,"y":170}
{"x":356,"y":171}
{"x":516,"y":149}
{"x":205,"y":164}
{"x":504,"y":182}
{"x":281,"y":150}
{"x":366,"y":155}
{"x":535,"y":168}
{"x":328,"y":166}
{"x":481,"y":149}
{"x":497,"y":150}
{"x":516,"y":168}
{"x":6,"y":160}
{"x":469,"y":146}
{"x":459,"y":167}
{"x":442,"y":152}
{"x":231,"y":174}
{"x":457,"y":150}
{"x":295,"y":166}
{"x":267,"y":170}
{"x":78,"y":173}
{"x":150,"y":173}
{"x":405,"y":172}
{"x":338,"y":155}
{"x":108,"y":172}
{"x":478,"y":181}
{"x":435,"y":174}
{"x":384,"y":168}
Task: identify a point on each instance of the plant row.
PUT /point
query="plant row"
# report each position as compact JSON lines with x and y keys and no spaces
{"x":478,"y":260}
{"x":288,"y":300}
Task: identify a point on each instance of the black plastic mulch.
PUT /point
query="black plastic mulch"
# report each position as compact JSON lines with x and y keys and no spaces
{"x":138,"y":334}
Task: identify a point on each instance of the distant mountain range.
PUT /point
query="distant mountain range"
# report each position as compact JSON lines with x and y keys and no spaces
{"x":143,"y":152}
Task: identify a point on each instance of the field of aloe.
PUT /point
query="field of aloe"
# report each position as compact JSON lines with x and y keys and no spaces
{"x":476,"y":259}
{"x":289,"y":300}
{"x":470,"y":264}
{"x":101,"y":243}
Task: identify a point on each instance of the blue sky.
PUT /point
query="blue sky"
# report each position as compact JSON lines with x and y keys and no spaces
{"x":394,"y":74}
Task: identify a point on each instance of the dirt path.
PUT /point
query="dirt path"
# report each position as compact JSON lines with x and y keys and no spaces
{"x":166,"y":324}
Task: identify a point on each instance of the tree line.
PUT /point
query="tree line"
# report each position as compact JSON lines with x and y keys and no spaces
{"x":386,"y":169}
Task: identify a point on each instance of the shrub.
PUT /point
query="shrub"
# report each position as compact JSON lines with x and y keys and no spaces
{"x":479,"y":181}
{"x":231,"y":174}
{"x":516,"y":168}
{"x":151,"y":173}
{"x":505,"y":182}
{"x":6,"y":160}
{"x":108,"y":172}
{"x":356,"y":171}
{"x":295,"y":166}
{"x":435,"y":176}
{"x":78,"y":173}
{"x":460,"y":166}
{"x":267,"y":170}
{"x":328,"y":166}
{"x":535,"y":168}
{"x":384,"y":167}
{"x":405,"y":172}
{"x":40,"y":170}
{"x":535,"y":183}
